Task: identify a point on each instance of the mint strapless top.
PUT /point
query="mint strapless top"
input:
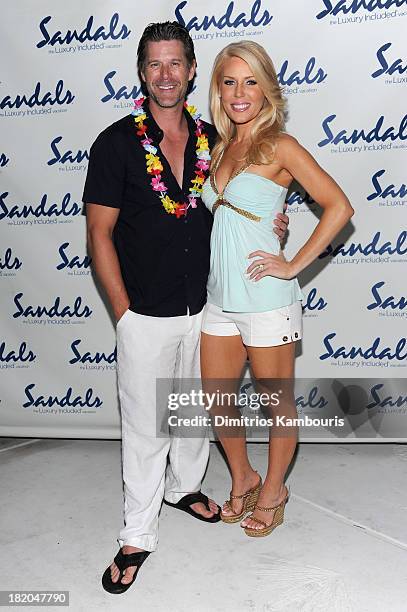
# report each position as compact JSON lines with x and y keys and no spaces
{"x":243,"y":223}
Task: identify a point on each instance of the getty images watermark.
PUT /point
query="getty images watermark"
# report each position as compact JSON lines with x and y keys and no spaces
{"x":329,"y":408}
{"x":254,"y":402}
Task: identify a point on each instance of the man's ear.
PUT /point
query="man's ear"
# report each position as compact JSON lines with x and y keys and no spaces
{"x":192,"y":70}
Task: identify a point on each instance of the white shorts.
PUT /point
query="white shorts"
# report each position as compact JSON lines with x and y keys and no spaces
{"x":271,"y":328}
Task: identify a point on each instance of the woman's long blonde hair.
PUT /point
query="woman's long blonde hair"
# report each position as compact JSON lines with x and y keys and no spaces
{"x":269,"y":122}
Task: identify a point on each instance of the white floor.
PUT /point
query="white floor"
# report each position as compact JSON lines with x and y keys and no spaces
{"x":342,"y":547}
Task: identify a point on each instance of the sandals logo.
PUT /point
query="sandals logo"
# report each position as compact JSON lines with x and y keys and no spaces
{"x":225,"y":25}
{"x":43,"y":213}
{"x":313,"y":304}
{"x":122,"y":95}
{"x":90,"y":38}
{"x":390,"y":195}
{"x":300,"y":201}
{"x":92,"y":360}
{"x":55,"y":314}
{"x":374,"y":353}
{"x":391,"y":403}
{"x":4,"y":160}
{"x":293,"y":80}
{"x":67,"y":160}
{"x":16,"y":358}
{"x":392,"y":69}
{"x":75,"y":265}
{"x":38,"y":102}
{"x":375,"y":251}
{"x":68,"y":403}
{"x":381,"y":137}
{"x":389,"y":305}
{"x":9,"y":263}
{"x":348,"y":11}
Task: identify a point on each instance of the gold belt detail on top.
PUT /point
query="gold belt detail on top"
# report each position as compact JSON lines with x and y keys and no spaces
{"x":240,"y":211}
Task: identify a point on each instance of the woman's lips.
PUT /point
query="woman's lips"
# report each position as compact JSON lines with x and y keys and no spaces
{"x":241,"y":107}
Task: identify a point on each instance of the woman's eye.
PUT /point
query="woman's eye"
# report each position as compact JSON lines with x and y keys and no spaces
{"x":251,"y":82}
{"x":228,"y":82}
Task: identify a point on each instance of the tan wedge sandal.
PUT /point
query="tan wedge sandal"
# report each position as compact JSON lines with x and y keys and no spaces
{"x":249,"y":502}
{"x":278,"y":519}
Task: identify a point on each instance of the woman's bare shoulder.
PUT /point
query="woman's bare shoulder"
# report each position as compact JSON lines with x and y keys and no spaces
{"x":286,"y":142}
{"x":287,"y":146}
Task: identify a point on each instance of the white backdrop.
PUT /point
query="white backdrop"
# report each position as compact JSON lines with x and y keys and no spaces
{"x":71,"y":71}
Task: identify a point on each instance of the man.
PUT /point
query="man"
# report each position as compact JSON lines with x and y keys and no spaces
{"x":148,"y":235}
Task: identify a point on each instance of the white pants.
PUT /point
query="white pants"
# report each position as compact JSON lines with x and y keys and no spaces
{"x":149,"y":348}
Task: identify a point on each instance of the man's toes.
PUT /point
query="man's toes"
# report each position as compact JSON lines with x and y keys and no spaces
{"x":213,"y":506}
{"x":201,"y":509}
{"x":114,"y":572}
{"x":128,"y":575}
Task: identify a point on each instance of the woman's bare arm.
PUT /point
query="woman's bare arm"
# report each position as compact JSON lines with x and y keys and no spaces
{"x":325,"y":191}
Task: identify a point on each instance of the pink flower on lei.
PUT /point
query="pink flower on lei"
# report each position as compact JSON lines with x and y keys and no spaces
{"x":157,"y":184}
{"x":202,"y":164}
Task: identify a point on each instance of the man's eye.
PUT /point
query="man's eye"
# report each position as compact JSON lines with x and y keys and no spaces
{"x":154,"y":65}
{"x":175,"y":63}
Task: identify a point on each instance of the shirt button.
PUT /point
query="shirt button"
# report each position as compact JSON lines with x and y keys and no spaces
{"x":185,"y":275}
{"x":185,"y":220}
{"x":186,"y":250}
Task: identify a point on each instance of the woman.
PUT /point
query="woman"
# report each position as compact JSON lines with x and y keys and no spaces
{"x":254,"y":301}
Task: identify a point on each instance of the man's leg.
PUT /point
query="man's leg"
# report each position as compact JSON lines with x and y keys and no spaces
{"x":188,"y":456}
{"x":146,"y":350}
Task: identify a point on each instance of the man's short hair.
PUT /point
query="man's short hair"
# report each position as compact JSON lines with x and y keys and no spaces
{"x":167,"y":30}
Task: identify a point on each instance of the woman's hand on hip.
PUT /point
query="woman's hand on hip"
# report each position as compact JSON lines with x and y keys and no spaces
{"x":268,"y":264}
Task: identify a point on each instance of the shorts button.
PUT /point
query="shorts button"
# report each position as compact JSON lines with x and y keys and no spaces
{"x":288,"y":318}
{"x":296,"y":335}
{"x":285,"y":338}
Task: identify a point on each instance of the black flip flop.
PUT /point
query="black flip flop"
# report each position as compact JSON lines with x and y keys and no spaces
{"x":192,"y":498}
{"x":123,"y":561}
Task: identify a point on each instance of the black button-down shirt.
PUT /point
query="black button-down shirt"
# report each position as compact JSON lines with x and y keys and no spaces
{"x":164,"y":260}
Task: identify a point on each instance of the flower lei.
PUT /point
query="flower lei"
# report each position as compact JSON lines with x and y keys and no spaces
{"x":155,"y":167}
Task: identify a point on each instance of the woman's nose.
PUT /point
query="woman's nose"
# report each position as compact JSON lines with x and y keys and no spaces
{"x":239,"y":90}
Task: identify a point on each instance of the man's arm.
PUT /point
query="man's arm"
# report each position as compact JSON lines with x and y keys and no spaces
{"x":100,"y":222}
